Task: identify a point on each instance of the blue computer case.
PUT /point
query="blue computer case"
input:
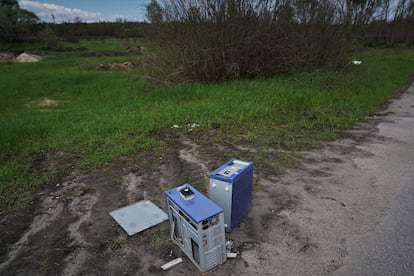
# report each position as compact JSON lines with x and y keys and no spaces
{"x":196,"y":226}
{"x":231,"y":188}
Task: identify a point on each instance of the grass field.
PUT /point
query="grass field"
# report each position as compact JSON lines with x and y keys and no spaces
{"x":63,"y":107}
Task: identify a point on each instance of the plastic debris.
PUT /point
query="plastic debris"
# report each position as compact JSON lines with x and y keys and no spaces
{"x":229,"y":245}
{"x":229,"y":250}
{"x":357,"y":62}
{"x":231,"y":255}
{"x":192,"y":126}
{"x":171,"y":264}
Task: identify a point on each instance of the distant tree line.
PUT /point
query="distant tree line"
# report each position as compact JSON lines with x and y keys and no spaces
{"x":73,"y":31}
{"x":214,"y":40}
{"x":79,"y":30}
{"x":20,"y":25}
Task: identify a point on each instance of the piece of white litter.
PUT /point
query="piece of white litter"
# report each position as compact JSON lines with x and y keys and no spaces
{"x":175,"y":126}
{"x":171,"y":264}
{"x":357,"y":62}
{"x":231,"y":255}
{"x":193,"y":125}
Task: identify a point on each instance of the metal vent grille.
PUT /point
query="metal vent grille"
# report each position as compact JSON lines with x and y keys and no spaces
{"x":211,"y":259}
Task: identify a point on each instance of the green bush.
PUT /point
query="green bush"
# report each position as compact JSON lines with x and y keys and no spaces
{"x":214,"y":40}
{"x":48,"y":39}
{"x":14,"y":21}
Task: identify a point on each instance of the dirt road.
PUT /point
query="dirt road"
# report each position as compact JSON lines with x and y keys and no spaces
{"x":303,"y":222}
{"x":389,"y":249}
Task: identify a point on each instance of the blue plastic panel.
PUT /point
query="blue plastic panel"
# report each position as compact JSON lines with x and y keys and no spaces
{"x":242,"y":197}
{"x":198,"y":208}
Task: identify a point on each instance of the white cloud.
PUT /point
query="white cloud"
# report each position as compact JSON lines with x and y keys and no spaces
{"x":61,"y":13}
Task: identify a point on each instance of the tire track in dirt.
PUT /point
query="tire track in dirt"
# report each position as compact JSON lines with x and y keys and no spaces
{"x":81,"y":208}
{"x":196,"y":172}
{"x":71,"y":200}
{"x":189,"y":154}
{"x":47,"y":215}
{"x":132,"y":183}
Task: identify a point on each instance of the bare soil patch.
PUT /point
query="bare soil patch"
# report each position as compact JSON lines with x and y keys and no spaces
{"x":127,"y":65}
{"x":129,"y":51}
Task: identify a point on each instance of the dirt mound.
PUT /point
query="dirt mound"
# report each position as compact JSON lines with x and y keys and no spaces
{"x":22,"y":58}
{"x":26,"y":57}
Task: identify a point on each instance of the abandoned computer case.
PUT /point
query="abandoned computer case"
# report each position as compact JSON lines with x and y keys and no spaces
{"x":196,"y":226}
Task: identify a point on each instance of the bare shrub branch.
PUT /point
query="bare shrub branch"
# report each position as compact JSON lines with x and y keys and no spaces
{"x":215,"y":40}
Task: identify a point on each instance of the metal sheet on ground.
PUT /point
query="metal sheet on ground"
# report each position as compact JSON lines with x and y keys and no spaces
{"x":138,"y":217}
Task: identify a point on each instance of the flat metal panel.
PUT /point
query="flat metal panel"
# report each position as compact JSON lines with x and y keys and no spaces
{"x":221,"y":193}
{"x":139,"y":216}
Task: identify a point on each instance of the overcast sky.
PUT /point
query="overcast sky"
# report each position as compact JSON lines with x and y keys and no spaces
{"x":86,"y":10}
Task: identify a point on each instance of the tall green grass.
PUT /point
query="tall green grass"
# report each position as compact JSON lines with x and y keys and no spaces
{"x":61,"y":110}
